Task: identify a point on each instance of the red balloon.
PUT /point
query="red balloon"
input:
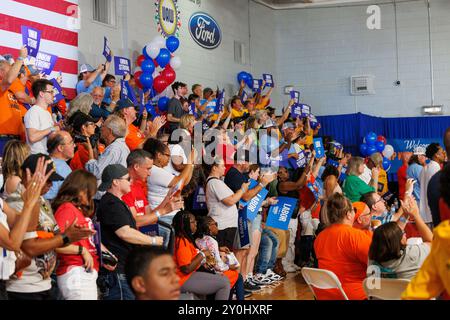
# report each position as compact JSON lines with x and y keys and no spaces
{"x":381,"y":138}
{"x":140,"y":59}
{"x":160,"y":83}
{"x":137,"y":76}
{"x":169,"y":74}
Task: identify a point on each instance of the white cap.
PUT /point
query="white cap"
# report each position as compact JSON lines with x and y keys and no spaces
{"x":419,"y":151}
{"x":86,"y":68}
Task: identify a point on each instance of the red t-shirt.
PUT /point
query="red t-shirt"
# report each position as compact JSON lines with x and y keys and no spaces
{"x":67,"y":213}
{"x":401,"y":174}
{"x":80,"y":158}
{"x":226,"y":151}
{"x":137,"y":198}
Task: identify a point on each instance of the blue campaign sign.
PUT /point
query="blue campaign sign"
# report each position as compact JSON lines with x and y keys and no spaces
{"x":343,"y":175}
{"x":150,"y":230}
{"x":244,"y":96}
{"x":199,"y":202}
{"x":122,"y":66}
{"x":243,"y":228}
{"x":314,"y":188}
{"x":107,"y":50}
{"x":300,"y":162}
{"x":306,"y":110}
{"x":220,"y":101}
{"x":269,"y":80}
{"x":280,"y":214}
{"x":31,"y":38}
{"x":296,"y":96}
{"x":253,"y":205}
{"x":45,"y":62}
{"x":58,"y":96}
{"x":126,"y":92}
{"x":296,"y":111}
{"x":257,"y":84}
{"x":318,"y":147}
{"x":333,"y":163}
{"x":284,"y":158}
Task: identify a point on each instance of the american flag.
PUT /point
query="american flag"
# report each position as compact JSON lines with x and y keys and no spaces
{"x":59,"y":23}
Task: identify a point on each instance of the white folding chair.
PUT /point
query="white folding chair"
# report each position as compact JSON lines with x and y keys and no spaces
{"x":322,"y":279}
{"x":384,"y":289}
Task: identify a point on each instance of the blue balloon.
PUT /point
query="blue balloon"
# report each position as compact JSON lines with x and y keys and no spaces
{"x":242,"y":76}
{"x":146,"y":80}
{"x":172,"y":43}
{"x":148,"y":66}
{"x":371,"y":149}
{"x":163,"y":104}
{"x":249,"y":80}
{"x":386,"y":164}
{"x":144,"y":52}
{"x":363,"y":149}
{"x":163,"y":58}
{"x":380,"y":146}
{"x":371,"y":138}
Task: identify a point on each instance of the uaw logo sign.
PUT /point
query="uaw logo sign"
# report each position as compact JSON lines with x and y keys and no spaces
{"x":167,"y":17}
{"x":205,"y":30}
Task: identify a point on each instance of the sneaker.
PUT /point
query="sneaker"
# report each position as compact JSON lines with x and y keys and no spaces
{"x":251,"y":287}
{"x":290,"y":269}
{"x":247,"y":294}
{"x":251,"y":281}
{"x":262,"y":280}
{"x":273,"y":276}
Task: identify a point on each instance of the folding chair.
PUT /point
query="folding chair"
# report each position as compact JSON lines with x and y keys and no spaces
{"x":384,"y":288}
{"x":322,"y":279}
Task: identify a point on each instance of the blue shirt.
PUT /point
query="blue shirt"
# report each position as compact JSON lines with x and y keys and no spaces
{"x":63,"y":169}
{"x":96,"y":83}
{"x":413,"y":172}
{"x":267,"y":145}
{"x":99,"y":112}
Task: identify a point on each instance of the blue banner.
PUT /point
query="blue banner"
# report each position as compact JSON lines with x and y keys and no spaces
{"x":306,"y":110}
{"x":280,"y":214}
{"x":243,"y":228}
{"x":45,"y":62}
{"x":150,"y":230}
{"x":107,"y":50}
{"x":404,"y":145}
{"x":244,"y":96}
{"x":318,"y":147}
{"x":122,"y":66}
{"x":296,"y":96}
{"x":199,"y":202}
{"x":31,"y":38}
{"x":296,"y":111}
{"x":126,"y":92}
{"x":253,"y":205}
{"x":300,"y":162}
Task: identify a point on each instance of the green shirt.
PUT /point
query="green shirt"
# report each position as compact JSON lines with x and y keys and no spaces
{"x":354,"y":188}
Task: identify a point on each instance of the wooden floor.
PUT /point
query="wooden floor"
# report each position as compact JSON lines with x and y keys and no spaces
{"x":291,"y":288}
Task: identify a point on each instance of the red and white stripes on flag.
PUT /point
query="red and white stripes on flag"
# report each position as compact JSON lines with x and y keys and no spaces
{"x":59,"y":23}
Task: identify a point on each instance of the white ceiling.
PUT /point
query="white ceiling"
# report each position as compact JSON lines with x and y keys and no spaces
{"x":289,"y":4}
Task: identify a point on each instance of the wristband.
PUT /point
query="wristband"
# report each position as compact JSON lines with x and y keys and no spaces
{"x":158,"y":215}
{"x":204,"y":257}
{"x":243,"y":190}
{"x":20,"y":59}
{"x":153,"y":241}
{"x":403,"y":219}
{"x":65,"y":239}
{"x":80,"y":250}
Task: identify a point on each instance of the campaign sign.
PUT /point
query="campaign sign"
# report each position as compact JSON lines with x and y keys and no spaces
{"x":45,"y":62}
{"x":296,"y":96}
{"x":192,"y":108}
{"x":333,"y":163}
{"x":126,"y":92}
{"x":253,"y":205}
{"x":243,"y":228}
{"x":58,"y":96}
{"x":284,"y":158}
{"x":343,"y":175}
{"x":296,"y":111}
{"x":280,"y":214}
{"x":151,"y":110}
{"x":314,"y":188}
{"x":318,"y":147}
{"x":300,"y":162}
{"x":244,"y":96}
{"x":306,"y":110}
{"x":199,"y":202}
{"x":31,"y":38}
{"x":107,"y":50}
{"x":150,"y":230}
{"x":256,"y":84}
{"x":269,"y":80}
{"x":122,"y":66}
{"x":220,"y":101}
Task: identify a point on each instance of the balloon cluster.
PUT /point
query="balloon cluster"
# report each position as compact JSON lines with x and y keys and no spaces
{"x":373,"y":144}
{"x":246,"y":77}
{"x":158,"y":53}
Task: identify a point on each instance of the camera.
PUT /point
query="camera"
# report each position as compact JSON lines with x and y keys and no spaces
{"x":78,"y":138}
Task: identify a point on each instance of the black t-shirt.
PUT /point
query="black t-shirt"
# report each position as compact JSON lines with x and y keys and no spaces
{"x":175,"y":109}
{"x":234,"y":179}
{"x":114,"y":214}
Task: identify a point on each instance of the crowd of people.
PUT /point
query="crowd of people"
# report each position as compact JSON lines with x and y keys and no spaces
{"x":102,"y":201}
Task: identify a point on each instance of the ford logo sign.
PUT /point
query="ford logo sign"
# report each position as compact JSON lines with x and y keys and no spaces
{"x":205,"y":30}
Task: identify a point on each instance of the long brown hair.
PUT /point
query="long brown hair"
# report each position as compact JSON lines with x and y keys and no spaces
{"x":79,"y":180}
{"x":337,"y":207}
{"x":14,"y":154}
{"x":386,"y":243}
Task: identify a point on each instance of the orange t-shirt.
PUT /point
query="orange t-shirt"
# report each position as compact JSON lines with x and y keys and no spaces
{"x":11,"y":114}
{"x":134,"y":137}
{"x":185,"y":252}
{"x":343,"y":250}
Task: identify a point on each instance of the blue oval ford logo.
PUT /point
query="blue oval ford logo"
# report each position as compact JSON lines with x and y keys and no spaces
{"x":205,"y":30}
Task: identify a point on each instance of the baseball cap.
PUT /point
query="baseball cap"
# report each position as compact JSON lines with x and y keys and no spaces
{"x":268,"y":124}
{"x":31,"y":163}
{"x":86,"y":68}
{"x":419,"y":151}
{"x":111,"y":172}
{"x":359,"y":208}
{"x":80,"y":119}
{"x":123,"y":104}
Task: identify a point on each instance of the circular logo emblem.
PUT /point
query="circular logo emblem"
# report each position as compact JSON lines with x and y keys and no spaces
{"x":205,"y":30}
{"x":167,"y":17}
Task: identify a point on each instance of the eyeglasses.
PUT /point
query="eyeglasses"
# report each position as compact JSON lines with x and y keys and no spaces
{"x":381,"y":199}
{"x":49,"y":91}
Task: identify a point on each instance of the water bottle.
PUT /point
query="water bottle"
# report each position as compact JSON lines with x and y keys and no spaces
{"x":393,"y":209}
{"x":396,"y":204}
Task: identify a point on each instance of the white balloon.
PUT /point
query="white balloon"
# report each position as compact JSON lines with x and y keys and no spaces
{"x":388,"y":151}
{"x":152,"y":50}
{"x":175,"y":63}
{"x":160,"y":41}
{"x":137,"y":69}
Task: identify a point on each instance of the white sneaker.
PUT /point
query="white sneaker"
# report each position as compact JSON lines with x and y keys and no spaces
{"x":262,"y":280}
{"x":273,"y":276}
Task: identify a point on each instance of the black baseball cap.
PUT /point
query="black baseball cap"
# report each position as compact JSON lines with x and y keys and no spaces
{"x":80,"y":119}
{"x":123,"y":104}
{"x":31,"y":163}
{"x":111,"y":172}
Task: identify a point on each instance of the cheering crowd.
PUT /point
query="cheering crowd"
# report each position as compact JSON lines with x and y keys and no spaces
{"x":104,"y":200}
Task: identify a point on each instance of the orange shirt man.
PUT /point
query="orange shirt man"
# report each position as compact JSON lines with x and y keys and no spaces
{"x":134,"y":138}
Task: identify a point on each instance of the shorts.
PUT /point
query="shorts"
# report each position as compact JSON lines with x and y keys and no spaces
{"x":255,"y":225}
{"x":226,"y":237}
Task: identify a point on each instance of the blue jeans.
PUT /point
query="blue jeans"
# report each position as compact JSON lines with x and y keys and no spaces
{"x":164,"y":232}
{"x":115,"y":286}
{"x":268,"y":249}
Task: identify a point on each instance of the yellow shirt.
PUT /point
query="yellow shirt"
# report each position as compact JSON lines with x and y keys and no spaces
{"x":433,"y":277}
{"x":382,"y":182}
{"x":237,"y":114}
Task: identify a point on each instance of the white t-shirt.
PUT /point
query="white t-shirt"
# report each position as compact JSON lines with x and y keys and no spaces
{"x":225,"y":216}
{"x":158,"y":187}
{"x":39,"y":119}
{"x":425,"y":176}
{"x":7,"y":258}
{"x":175,"y":150}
